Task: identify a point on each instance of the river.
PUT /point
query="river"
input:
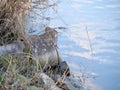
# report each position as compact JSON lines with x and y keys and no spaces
{"x":95,"y":51}
{"x":91,"y":41}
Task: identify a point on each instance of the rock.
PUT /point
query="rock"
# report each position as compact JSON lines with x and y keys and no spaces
{"x":64,"y":68}
{"x":70,"y":83}
{"x":74,"y":83}
{"x":49,"y":82}
{"x":34,"y":88}
{"x":15,"y":47}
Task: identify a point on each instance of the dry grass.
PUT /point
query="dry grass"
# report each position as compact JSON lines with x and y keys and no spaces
{"x":12,"y":20}
{"x":21,"y":71}
{"x":18,"y":72}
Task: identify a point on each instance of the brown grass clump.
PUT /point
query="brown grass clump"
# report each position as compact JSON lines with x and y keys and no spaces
{"x":12,"y":19}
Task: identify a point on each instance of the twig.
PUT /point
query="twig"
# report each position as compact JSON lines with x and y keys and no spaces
{"x":91,"y":49}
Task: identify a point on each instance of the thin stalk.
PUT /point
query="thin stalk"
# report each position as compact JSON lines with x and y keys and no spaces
{"x":91,"y":49}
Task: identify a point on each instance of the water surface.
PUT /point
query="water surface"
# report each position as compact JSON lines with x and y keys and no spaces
{"x":91,"y":42}
{"x":102,"y":18}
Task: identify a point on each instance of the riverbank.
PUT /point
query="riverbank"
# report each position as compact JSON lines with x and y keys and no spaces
{"x":32,"y":68}
{"x":30,"y":62}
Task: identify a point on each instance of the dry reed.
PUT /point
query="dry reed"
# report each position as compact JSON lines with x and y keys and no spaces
{"x":17,"y":73}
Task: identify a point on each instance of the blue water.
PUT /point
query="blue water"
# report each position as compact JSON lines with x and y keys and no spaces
{"x":96,"y":54}
{"x":102,"y":19}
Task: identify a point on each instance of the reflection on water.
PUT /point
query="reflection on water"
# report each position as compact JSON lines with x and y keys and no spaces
{"x":101,"y":17}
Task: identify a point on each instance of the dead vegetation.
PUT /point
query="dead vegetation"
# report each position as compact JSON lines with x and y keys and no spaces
{"x":13,"y":15}
{"x":21,"y":71}
{"x":18,"y":71}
